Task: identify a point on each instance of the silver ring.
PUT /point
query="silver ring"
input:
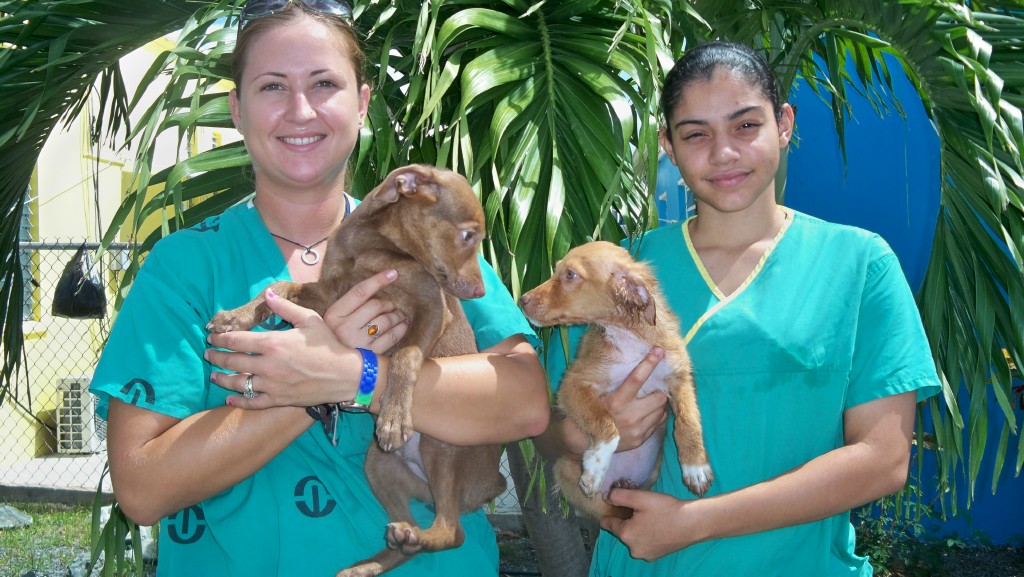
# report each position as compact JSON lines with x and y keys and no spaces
{"x":247,"y":391}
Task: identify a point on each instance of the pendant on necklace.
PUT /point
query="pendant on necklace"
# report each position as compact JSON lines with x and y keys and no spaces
{"x":310,"y":256}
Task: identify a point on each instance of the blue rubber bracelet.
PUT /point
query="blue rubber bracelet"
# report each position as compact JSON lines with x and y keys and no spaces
{"x":368,"y":381}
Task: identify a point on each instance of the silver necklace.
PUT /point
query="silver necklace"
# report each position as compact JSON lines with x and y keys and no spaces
{"x":309,"y":256}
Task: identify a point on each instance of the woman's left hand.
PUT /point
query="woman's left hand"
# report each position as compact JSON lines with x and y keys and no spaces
{"x":302,"y":367}
{"x":359,"y":319}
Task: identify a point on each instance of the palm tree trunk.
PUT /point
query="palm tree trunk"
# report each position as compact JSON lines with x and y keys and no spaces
{"x":556,"y":538}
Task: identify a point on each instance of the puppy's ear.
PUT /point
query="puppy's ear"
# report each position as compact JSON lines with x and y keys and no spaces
{"x":413,"y":181}
{"x":630,"y":292}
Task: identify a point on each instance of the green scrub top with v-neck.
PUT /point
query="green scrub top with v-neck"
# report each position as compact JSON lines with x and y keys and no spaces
{"x":826,"y":321}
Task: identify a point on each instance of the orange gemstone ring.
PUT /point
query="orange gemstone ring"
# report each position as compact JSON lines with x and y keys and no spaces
{"x":372,"y":330}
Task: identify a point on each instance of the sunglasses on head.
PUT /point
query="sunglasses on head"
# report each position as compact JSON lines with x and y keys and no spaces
{"x":256,"y":9}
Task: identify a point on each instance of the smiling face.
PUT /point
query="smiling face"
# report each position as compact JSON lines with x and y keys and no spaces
{"x":299,"y":103}
{"x":724,"y":138}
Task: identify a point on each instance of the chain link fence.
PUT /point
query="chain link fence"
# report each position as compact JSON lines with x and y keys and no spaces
{"x":49,"y":433}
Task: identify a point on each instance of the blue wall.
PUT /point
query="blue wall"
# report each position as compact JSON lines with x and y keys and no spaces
{"x":889,"y":185}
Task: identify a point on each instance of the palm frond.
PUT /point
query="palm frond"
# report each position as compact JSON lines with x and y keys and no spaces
{"x":545,"y":107}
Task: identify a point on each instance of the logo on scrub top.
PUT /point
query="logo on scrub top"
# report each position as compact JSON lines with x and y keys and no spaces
{"x":187,"y":526}
{"x":312,"y":497}
{"x":210,"y":224}
{"x":140,"y":389}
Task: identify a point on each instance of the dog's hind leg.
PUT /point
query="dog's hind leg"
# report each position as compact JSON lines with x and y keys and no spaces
{"x":446,"y":532}
{"x":393,"y":484}
{"x":689,"y":435}
{"x":461,"y":479}
{"x":567,"y":473}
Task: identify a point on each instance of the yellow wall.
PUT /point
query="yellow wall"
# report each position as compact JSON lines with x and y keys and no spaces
{"x":65,"y":209}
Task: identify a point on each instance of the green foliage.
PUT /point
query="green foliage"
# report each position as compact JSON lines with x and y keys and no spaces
{"x":54,"y":56}
{"x":889,"y":530}
{"x":109,"y":539}
{"x":546,"y":110}
{"x":892,"y":533}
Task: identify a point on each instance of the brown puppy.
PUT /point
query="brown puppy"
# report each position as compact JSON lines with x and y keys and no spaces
{"x":427,"y":224}
{"x":599,"y":284}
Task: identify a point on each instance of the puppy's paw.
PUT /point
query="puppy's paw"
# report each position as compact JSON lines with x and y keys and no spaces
{"x":590,"y":484}
{"x":698,"y":478}
{"x":225,"y":322}
{"x":241,"y":319}
{"x":625,"y":484}
{"x":394,"y":428}
{"x":404,"y":537}
{"x":596,"y":461}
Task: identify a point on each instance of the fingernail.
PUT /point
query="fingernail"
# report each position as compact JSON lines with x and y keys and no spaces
{"x":391,"y":274}
{"x":228,"y":402}
{"x":213,"y":378}
{"x":271,"y":294}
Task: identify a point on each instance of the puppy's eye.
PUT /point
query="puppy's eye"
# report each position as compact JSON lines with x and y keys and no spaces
{"x":571,"y":274}
{"x":467,"y":235}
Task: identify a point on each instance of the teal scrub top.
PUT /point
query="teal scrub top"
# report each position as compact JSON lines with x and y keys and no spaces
{"x":310,"y":510}
{"x":825,"y":322}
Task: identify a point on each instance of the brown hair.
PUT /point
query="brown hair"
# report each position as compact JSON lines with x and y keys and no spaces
{"x":253,"y":29}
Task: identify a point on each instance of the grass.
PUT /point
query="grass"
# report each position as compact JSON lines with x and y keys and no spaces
{"x":57,"y":535}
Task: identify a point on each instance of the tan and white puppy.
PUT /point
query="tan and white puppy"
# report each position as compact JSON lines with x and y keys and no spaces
{"x":599,"y":284}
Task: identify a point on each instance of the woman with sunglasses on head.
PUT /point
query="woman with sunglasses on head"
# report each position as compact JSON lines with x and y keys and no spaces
{"x":807,"y":348}
{"x":251,"y":484}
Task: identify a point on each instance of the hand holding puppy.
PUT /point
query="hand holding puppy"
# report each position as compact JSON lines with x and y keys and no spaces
{"x":289,"y":368}
{"x":637,"y":417}
{"x":661,"y":524}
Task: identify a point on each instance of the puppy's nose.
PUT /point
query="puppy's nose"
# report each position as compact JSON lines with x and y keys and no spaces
{"x":524,"y":300}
